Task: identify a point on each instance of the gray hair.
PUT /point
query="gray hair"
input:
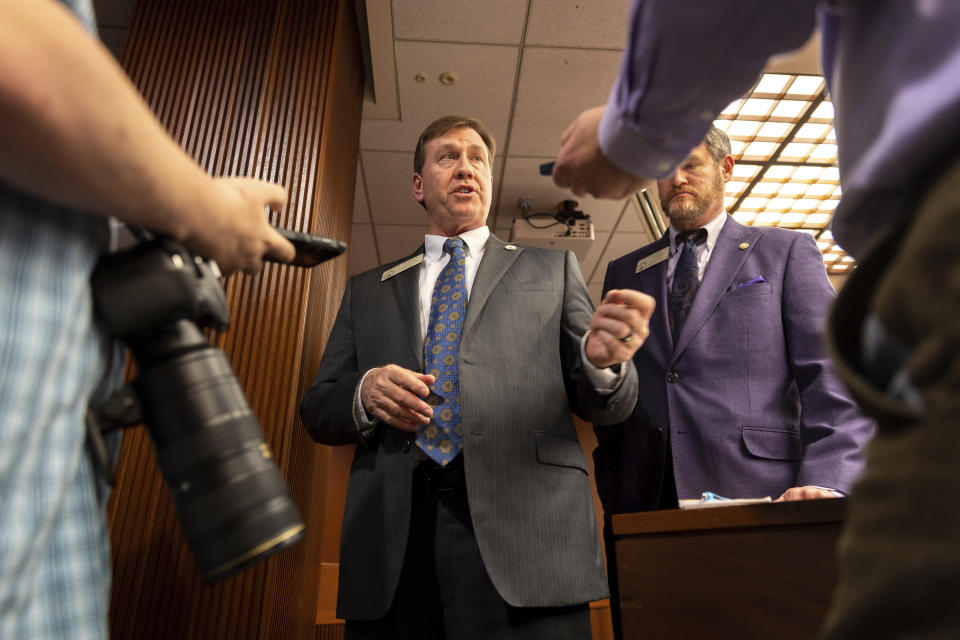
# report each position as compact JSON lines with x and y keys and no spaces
{"x":718,"y":143}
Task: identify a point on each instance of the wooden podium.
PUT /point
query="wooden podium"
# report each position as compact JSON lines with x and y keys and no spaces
{"x":751,"y":571}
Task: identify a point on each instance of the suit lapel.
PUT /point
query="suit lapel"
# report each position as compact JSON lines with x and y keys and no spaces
{"x":725,"y":263}
{"x":652,"y":281}
{"x":496,"y":260}
{"x":406,"y":291}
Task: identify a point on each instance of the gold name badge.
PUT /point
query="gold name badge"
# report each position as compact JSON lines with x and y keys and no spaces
{"x":652,"y":259}
{"x":403,"y":266}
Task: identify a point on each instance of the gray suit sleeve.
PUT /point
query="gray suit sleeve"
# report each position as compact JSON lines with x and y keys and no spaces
{"x":327,"y":406}
{"x":584,"y":399}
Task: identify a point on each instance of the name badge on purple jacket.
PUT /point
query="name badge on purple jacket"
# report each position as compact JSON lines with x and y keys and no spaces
{"x":652,"y":259}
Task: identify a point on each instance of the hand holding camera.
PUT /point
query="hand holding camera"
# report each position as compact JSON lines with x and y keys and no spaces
{"x":233,"y":504}
{"x":233,"y":230}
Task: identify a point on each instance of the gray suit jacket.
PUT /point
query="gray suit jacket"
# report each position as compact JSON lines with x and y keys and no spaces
{"x":521,"y":374}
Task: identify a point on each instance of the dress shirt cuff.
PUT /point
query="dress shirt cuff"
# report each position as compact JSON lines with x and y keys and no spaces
{"x":365,"y":425}
{"x":634,"y":152}
{"x":605,"y":381}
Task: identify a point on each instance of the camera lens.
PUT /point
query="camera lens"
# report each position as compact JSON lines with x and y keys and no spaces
{"x":231,"y":498}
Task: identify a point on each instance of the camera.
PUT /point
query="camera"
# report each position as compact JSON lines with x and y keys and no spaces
{"x":231,"y":499}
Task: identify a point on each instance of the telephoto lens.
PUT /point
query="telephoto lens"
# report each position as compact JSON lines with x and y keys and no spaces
{"x":231,"y":498}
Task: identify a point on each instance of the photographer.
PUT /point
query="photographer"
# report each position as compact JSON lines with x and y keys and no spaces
{"x":78,"y":144}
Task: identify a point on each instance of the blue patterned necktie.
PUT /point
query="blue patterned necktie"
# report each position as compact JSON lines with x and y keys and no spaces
{"x":686,"y":279}
{"x":442,"y":439}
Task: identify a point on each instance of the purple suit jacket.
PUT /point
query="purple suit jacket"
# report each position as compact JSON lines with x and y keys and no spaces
{"x":752,"y":404}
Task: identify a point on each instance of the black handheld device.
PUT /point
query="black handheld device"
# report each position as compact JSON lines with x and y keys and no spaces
{"x":311,"y":250}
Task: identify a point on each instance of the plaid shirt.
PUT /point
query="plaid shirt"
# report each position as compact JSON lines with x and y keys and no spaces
{"x":54,"y":545}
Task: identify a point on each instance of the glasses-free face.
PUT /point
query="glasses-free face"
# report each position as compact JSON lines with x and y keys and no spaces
{"x":456,"y":183}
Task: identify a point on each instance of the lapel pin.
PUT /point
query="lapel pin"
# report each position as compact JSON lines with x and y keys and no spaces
{"x":743,"y":245}
{"x":510,"y":247}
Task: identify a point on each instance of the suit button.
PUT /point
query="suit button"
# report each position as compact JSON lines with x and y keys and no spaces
{"x":407,"y":445}
{"x":659,"y":433}
{"x":673,"y":376}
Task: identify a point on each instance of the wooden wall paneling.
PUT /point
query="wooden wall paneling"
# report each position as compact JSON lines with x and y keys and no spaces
{"x":272,"y":90}
{"x":340,"y":127}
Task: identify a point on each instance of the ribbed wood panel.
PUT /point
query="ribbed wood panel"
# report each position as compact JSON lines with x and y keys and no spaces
{"x":272,"y":90}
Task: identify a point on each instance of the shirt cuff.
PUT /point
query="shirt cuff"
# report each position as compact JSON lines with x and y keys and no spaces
{"x":365,"y":425}
{"x":633,"y":152}
{"x":605,"y":381}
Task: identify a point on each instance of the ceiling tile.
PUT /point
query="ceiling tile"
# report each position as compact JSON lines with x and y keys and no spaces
{"x":388,"y":176}
{"x":361,"y":251}
{"x":555,"y":86}
{"x":490,"y":21}
{"x":620,"y":244}
{"x":523,"y":180}
{"x":600,"y":24}
{"x":588,"y":266}
{"x":361,"y":208}
{"x":398,"y":241}
{"x":484,"y":90}
{"x":630,"y":234}
{"x":632,"y":219}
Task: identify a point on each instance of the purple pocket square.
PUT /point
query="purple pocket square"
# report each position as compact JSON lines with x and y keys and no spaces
{"x":756,"y":280}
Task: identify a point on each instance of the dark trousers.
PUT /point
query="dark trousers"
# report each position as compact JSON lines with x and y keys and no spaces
{"x":444,"y":591}
{"x":900,"y":551}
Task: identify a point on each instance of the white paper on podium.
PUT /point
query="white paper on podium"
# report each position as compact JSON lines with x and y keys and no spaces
{"x":727,"y":502}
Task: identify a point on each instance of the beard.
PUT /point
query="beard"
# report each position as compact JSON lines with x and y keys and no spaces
{"x":695,"y":207}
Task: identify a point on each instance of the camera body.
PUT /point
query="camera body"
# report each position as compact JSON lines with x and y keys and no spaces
{"x":233,"y":503}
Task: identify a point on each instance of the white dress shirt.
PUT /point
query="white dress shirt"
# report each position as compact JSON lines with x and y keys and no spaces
{"x":435,"y":259}
{"x":703,"y":250}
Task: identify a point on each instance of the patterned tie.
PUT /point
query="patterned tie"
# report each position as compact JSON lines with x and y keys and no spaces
{"x":686,"y":279}
{"x":442,"y":439}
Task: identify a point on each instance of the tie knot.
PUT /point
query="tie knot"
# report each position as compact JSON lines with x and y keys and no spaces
{"x":453,"y":246}
{"x":696,"y":236}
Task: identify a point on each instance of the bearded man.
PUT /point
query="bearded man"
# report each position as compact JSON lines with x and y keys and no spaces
{"x":737,"y":395}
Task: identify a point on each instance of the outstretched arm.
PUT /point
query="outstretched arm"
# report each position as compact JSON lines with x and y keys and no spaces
{"x":75,"y":131}
{"x":684,"y":63}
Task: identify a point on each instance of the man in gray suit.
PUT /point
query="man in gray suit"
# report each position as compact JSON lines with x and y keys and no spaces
{"x":469,"y":511}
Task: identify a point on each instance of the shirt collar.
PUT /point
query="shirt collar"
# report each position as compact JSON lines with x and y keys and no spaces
{"x":713,"y":232}
{"x":475,"y":241}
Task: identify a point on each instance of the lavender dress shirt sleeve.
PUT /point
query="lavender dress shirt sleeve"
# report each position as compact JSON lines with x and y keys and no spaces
{"x":670,"y":88}
{"x":686,"y":61}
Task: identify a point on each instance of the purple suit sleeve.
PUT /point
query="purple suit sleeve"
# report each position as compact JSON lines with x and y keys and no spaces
{"x":832,"y":429}
{"x":684,"y":63}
